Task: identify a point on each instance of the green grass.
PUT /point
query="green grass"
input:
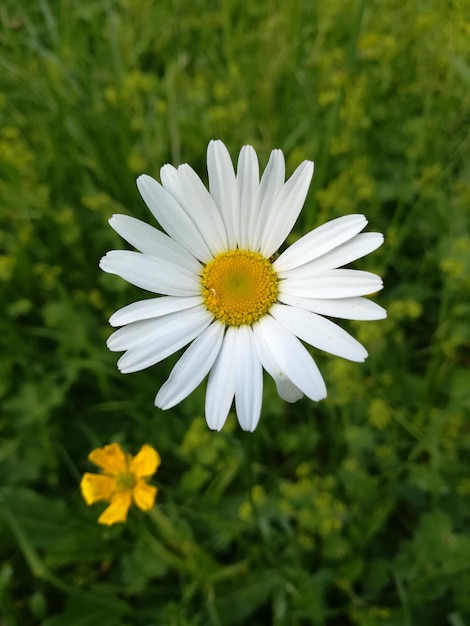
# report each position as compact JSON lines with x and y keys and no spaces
{"x":350,"y":512}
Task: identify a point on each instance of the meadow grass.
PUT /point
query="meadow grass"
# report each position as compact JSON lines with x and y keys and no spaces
{"x":352,"y":511}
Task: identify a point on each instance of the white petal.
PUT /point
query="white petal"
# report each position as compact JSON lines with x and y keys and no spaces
{"x":172,"y":217}
{"x":146,"y":272}
{"x":142,"y":332}
{"x":248,"y":185}
{"x":320,"y":241}
{"x":356,"y":248}
{"x":223,"y":188}
{"x":319,"y":332}
{"x":192,"y":367}
{"x":332,"y":284}
{"x":248,"y":380}
{"x":151,"y":341}
{"x":285,"y":387}
{"x":286,"y":209}
{"x":169,"y":178}
{"x":359,"y":246}
{"x":189,"y":191}
{"x":221,"y":383}
{"x":153,"y":242}
{"x":271,"y":184}
{"x":344,"y":308}
{"x":153,"y":307}
{"x":291,"y":356}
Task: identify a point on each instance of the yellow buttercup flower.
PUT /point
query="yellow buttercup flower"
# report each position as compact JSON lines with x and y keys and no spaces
{"x":123,"y":481}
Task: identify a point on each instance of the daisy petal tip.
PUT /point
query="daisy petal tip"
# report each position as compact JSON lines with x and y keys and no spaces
{"x":249,"y":425}
{"x":362,"y":219}
{"x":220,"y":148}
{"x":245,"y":426}
{"x":122,"y":363}
{"x":103,"y":263}
{"x":380,"y":313}
{"x":212,"y":145}
{"x":322,"y":394}
{"x":355,"y":218}
{"x":168,"y":170}
{"x":307,"y":168}
{"x":211,"y":426}
{"x":112,"y":322}
{"x":162,"y":402}
{"x":215,"y":424}
{"x":360,"y":353}
{"x":144,"y":181}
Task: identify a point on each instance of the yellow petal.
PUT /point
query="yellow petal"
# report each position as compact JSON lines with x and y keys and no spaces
{"x":111,"y":458}
{"x":144,"y":495}
{"x":145,"y":462}
{"x":117,"y":510}
{"x":95,"y":487}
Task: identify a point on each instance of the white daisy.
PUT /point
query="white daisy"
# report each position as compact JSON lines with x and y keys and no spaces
{"x":221,"y":290}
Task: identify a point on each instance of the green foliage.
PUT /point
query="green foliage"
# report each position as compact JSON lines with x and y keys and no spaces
{"x":351,"y":512}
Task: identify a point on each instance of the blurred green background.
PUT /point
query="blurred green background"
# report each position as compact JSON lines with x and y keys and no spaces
{"x":351,"y":512}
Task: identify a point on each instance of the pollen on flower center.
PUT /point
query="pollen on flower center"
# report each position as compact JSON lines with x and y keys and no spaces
{"x":239,"y":286}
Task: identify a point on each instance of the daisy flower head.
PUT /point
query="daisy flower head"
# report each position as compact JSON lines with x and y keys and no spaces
{"x":123,"y":480}
{"x":223,"y":291}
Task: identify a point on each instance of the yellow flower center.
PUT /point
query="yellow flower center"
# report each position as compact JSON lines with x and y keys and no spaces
{"x":239,"y":287}
{"x":125,"y":481}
